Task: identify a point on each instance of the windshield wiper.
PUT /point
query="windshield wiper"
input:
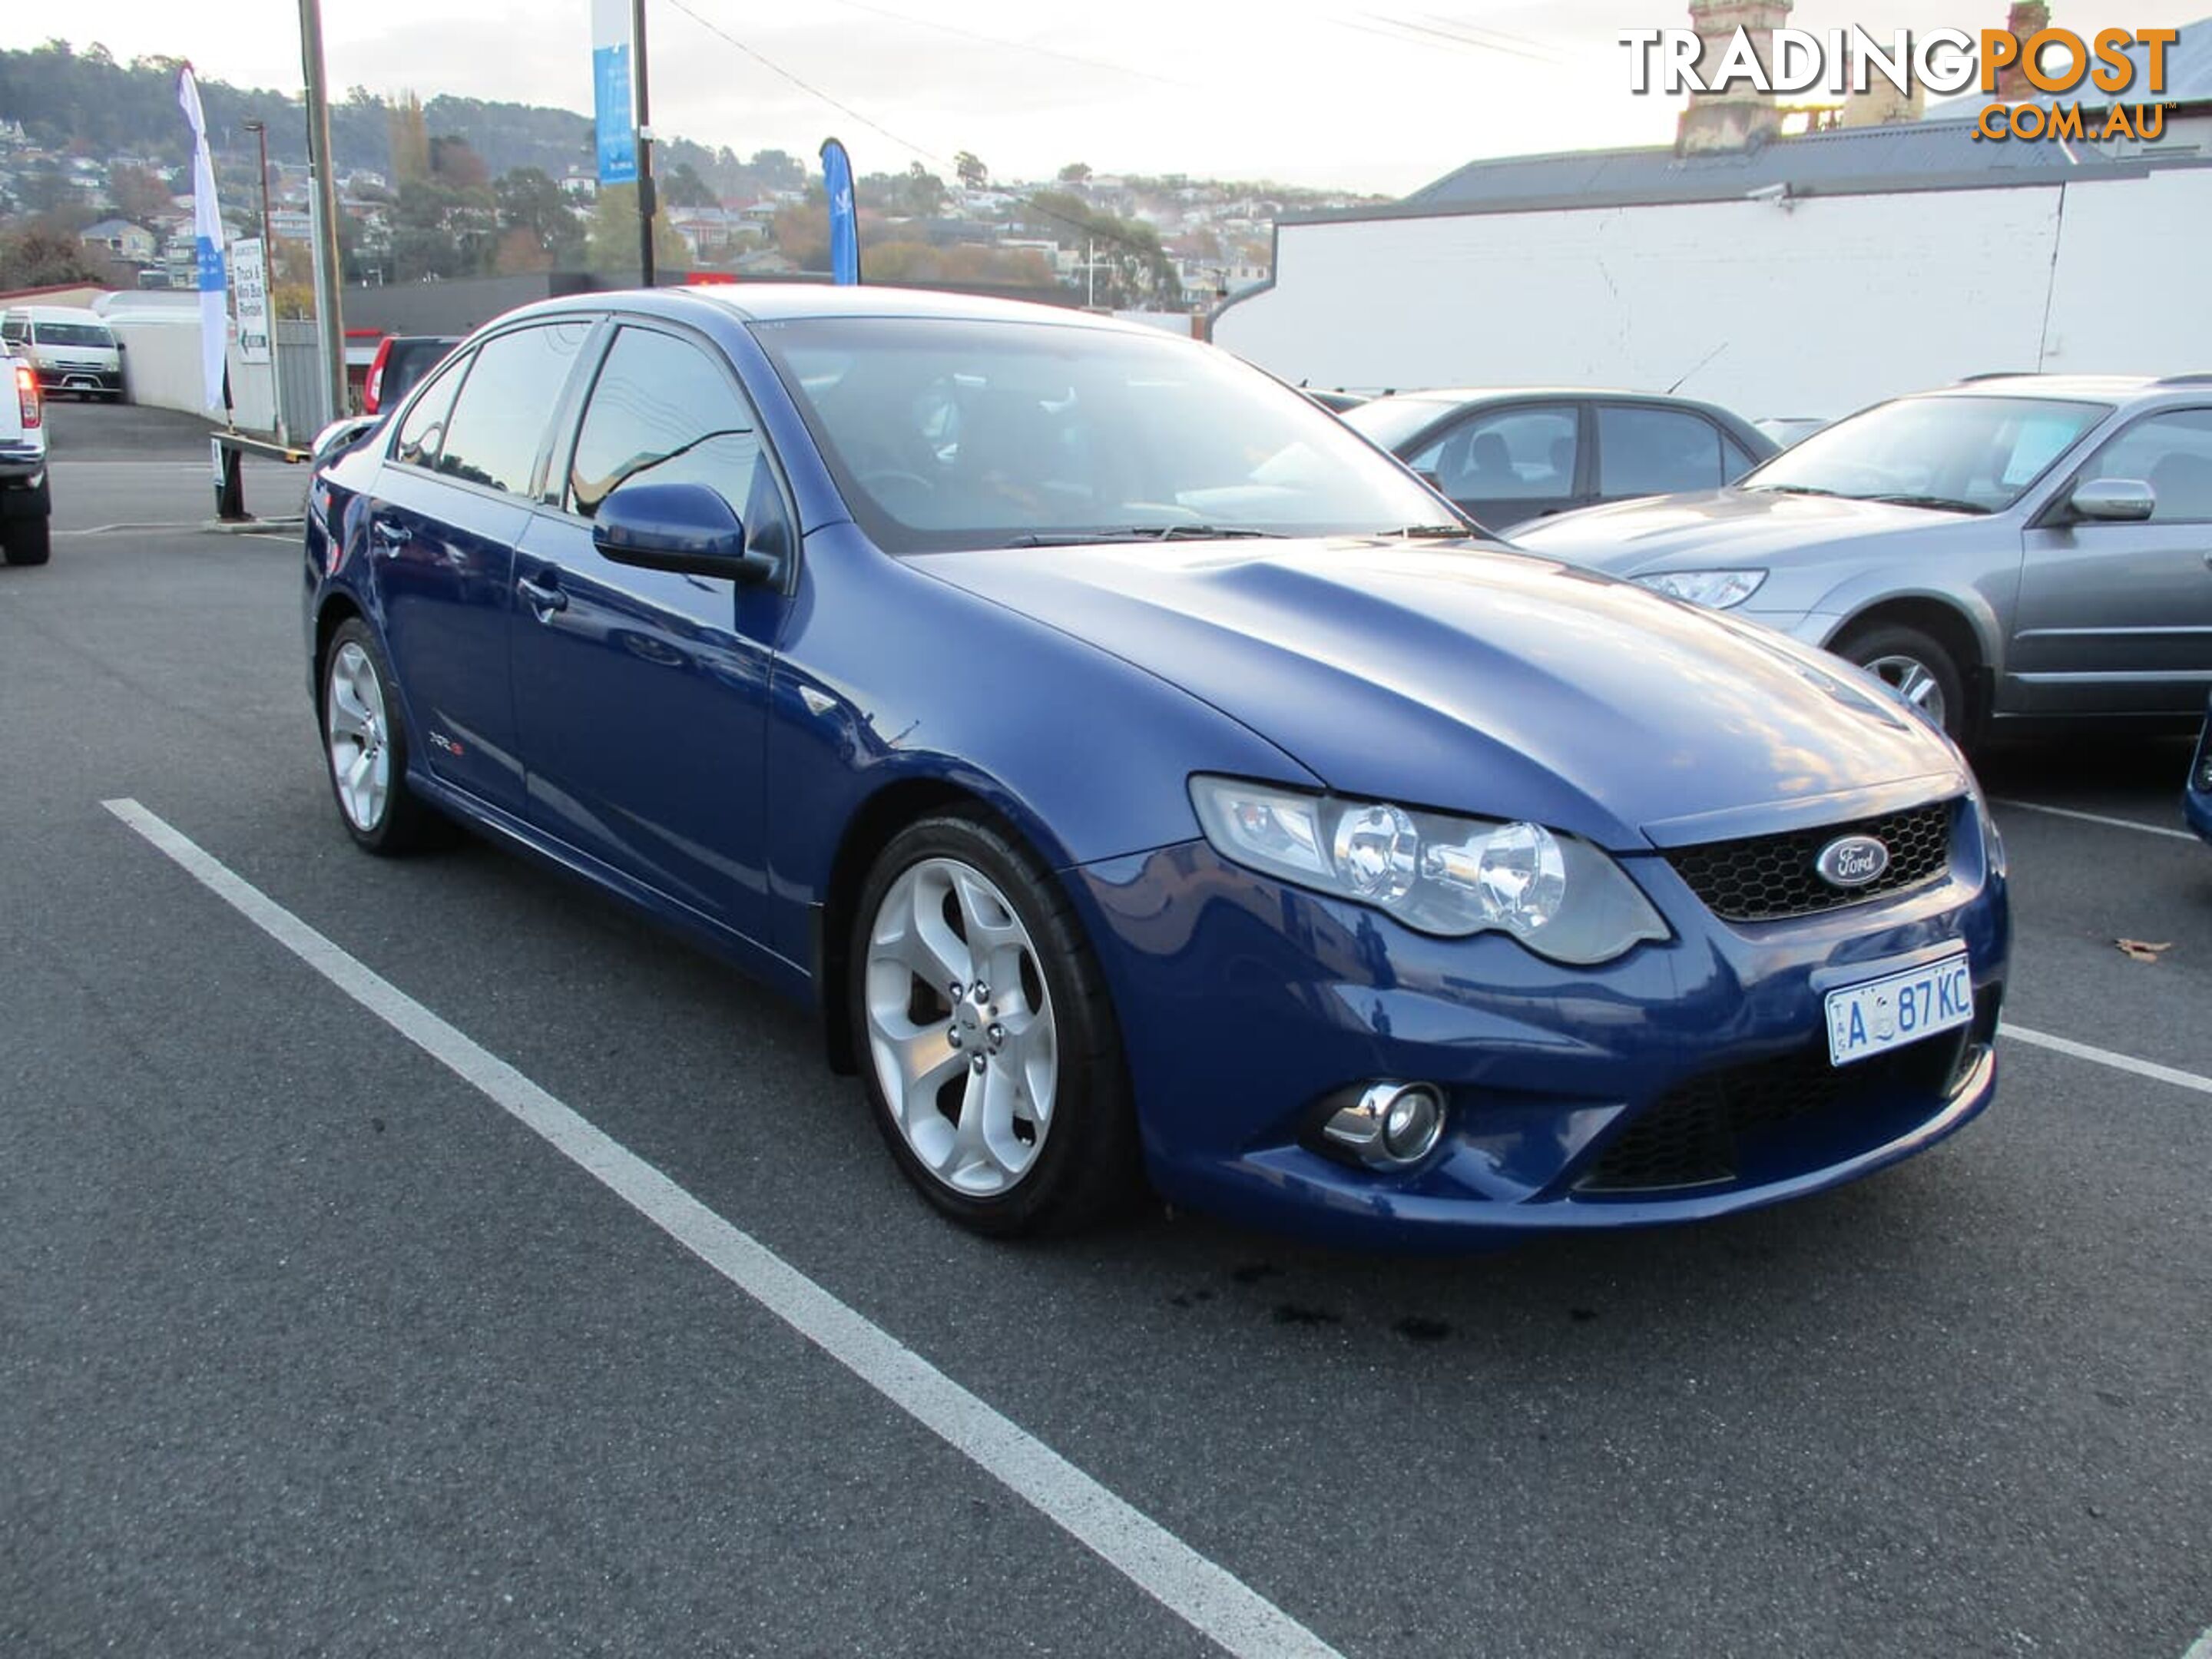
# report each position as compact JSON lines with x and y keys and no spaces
{"x":1165,"y":532}
{"x":1424,"y":532}
{"x":1788,"y":489}
{"x":1946,"y":503}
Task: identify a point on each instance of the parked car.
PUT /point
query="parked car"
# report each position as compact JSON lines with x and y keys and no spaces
{"x":26,"y":495}
{"x":1135,"y":768}
{"x":70,"y":348}
{"x":2008,"y":551}
{"x":1788,"y":429}
{"x":1335,"y":402}
{"x":1509,"y":458}
{"x":401,"y":360}
{"x":2196,"y":798}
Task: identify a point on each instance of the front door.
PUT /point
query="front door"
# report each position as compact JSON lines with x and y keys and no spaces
{"x":2117,"y":618}
{"x":1505,"y":466}
{"x":641,"y":696}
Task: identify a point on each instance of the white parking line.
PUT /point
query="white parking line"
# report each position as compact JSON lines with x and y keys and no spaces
{"x":1207,"y":1596}
{"x":2096,"y":817}
{"x":2201,"y":1648}
{"x":2150,"y":1068}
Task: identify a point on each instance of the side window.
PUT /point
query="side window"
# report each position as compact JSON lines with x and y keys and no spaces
{"x":1514,"y":454}
{"x":424,"y":428}
{"x":663,"y":411}
{"x":2172,"y":453}
{"x":13,"y":328}
{"x":1655,"y":452}
{"x":1734,"y":462}
{"x":511,"y":392}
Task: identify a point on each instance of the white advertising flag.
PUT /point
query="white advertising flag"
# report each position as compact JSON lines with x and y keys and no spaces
{"x":207,"y":232}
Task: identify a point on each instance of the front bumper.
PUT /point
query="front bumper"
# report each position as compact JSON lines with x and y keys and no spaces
{"x":68,"y":378}
{"x":1243,"y":1002}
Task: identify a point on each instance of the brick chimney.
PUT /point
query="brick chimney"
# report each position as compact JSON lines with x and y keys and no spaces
{"x":2026,"y":18}
{"x":1741,"y":116}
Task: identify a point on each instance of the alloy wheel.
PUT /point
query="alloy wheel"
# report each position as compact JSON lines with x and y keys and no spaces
{"x":359,"y":736}
{"x":960,"y":1027}
{"x":1915,"y":684}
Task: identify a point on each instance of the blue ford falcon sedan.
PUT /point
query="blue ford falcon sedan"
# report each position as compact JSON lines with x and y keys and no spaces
{"x":1145,"y":779}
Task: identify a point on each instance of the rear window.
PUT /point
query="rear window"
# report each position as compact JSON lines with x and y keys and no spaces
{"x":71,"y":334}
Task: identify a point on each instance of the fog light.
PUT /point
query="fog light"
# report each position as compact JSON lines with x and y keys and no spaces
{"x":1390,"y":1126}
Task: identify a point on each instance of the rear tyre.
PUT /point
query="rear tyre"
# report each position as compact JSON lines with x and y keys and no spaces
{"x":987,"y":1041}
{"x":1918,"y":669}
{"x":26,"y":541}
{"x":365,"y":747}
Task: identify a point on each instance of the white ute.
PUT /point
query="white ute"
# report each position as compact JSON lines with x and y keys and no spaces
{"x":25,"y":499}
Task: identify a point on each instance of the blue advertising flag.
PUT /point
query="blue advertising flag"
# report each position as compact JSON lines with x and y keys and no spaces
{"x":616,"y":125}
{"x":844,"y":220}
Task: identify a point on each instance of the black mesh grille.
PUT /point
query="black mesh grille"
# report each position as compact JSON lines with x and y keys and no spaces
{"x":1691,"y":1135}
{"x":1769,"y":877}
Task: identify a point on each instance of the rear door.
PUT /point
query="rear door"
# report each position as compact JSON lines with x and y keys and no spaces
{"x":641,"y":696}
{"x":2117,"y":618}
{"x":1645,"y":450}
{"x":1507,"y":465}
{"x":451,"y":500}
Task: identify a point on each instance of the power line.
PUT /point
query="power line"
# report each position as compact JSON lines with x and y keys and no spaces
{"x":1088,"y":229}
{"x":1015,"y":45}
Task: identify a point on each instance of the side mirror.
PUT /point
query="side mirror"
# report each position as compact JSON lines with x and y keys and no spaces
{"x":123,"y":345}
{"x":684,"y":528}
{"x":2114,"y":500}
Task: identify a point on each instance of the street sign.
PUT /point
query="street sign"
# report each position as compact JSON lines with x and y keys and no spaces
{"x":249,"y":276}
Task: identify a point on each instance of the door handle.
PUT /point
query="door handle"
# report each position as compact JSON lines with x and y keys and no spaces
{"x":386,"y":537}
{"x":544,"y":599}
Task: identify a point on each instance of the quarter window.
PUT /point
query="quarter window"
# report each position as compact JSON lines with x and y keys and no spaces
{"x":663,"y":412}
{"x":511,"y":390}
{"x":2172,"y":453}
{"x":424,"y":428}
{"x":1655,"y":452}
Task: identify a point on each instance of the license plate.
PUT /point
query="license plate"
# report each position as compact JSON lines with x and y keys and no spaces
{"x":1897,"y":1009}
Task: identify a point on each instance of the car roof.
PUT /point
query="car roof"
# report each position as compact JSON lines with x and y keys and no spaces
{"x":790,"y":301}
{"x":2103,"y":387}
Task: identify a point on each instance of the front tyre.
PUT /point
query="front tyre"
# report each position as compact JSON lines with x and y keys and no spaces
{"x":365,"y":747}
{"x":1918,"y":668}
{"x":988,"y":1046}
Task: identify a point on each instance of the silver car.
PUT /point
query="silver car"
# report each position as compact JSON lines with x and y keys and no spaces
{"x":2013,"y":550}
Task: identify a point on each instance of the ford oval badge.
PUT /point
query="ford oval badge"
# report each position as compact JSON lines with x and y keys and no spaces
{"x":1852,"y":861}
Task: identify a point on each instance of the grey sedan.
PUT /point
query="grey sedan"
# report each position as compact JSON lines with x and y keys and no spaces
{"x":2009,"y":552}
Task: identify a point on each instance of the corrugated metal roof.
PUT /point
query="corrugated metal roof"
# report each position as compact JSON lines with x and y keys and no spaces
{"x":1907,"y":156}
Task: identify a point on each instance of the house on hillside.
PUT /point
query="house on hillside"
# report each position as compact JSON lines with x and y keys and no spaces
{"x":121,"y":240}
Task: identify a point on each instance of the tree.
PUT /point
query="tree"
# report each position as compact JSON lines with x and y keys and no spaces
{"x":454,"y":164}
{"x":1075,"y":172}
{"x":919,"y":193}
{"x":139,"y":194}
{"x":778,"y":170}
{"x":611,"y":241}
{"x":532,"y":203}
{"x":973,"y":175}
{"x":41,"y":254}
{"x":410,"y":141}
{"x":685,"y":188}
{"x":1132,"y":269}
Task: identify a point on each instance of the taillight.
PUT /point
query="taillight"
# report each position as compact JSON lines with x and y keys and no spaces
{"x":372,"y":393}
{"x":26,"y":392}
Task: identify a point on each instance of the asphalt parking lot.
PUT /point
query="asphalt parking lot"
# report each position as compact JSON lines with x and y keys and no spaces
{"x":307,"y":1346}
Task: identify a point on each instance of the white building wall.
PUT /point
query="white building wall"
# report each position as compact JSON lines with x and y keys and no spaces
{"x":1815,"y":308}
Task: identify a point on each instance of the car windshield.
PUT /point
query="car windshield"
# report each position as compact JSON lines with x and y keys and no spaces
{"x":1968,"y":454}
{"x":1390,"y":420}
{"x":71,"y":334}
{"x":947,"y":433}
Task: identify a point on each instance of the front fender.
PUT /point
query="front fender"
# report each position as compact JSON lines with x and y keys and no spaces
{"x":886,"y":677}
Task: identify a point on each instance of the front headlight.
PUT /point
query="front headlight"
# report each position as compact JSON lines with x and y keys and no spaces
{"x":1716,"y":590}
{"x":1559,"y":895}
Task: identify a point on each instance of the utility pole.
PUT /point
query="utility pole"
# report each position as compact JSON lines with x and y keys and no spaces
{"x":260,"y":131}
{"x":330,"y":328}
{"x":644,"y":147}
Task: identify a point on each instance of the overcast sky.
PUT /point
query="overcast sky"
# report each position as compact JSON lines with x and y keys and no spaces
{"x":1379,"y":95}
